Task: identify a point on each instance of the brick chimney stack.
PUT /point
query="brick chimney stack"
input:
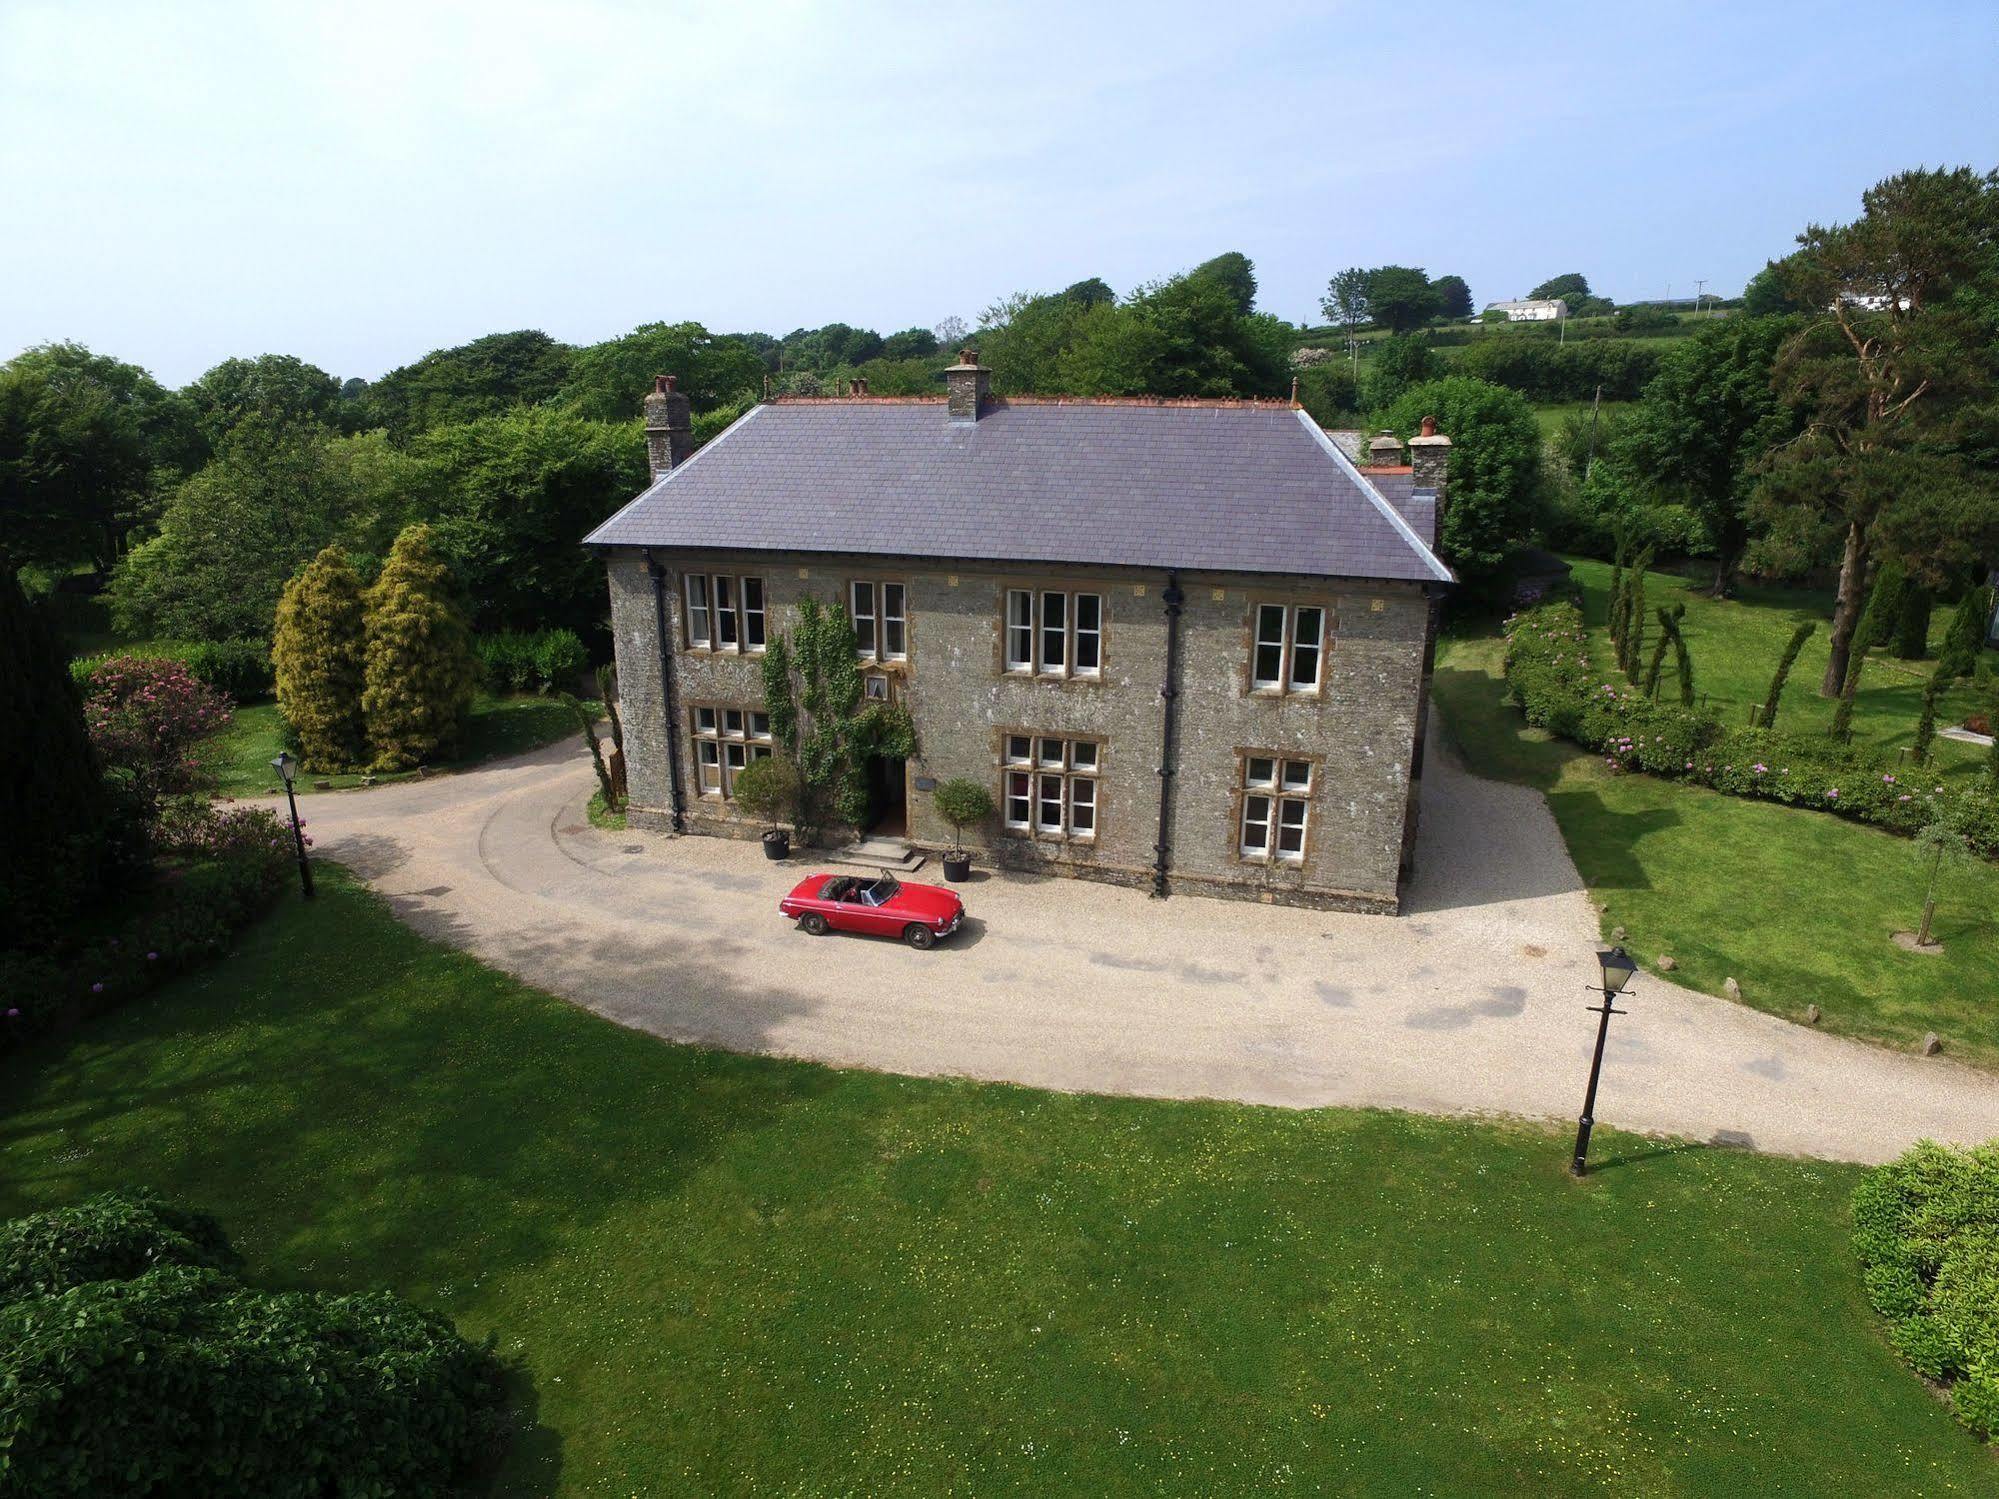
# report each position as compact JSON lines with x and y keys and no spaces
{"x":967,"y":385}
{"x":1430,"y":458}
{"x":669,"y":427}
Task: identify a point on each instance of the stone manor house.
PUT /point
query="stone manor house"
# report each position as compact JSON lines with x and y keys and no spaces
{"x":1186,"y":643}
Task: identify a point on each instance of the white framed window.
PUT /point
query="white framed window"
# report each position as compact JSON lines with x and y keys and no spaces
{"x":725,"y":613}
{"x":880,"y":612}
{"x":726,"y":739}
{"x":1288,"y":653}
{"x":1048,"y":785}
{"x":1053,"y":633}
{"x":1276,"y":808}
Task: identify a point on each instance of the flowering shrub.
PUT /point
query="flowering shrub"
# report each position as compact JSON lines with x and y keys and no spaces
{"x":146,"y":716}
{"x":223,"y":869}
{"x":1561,"y":688}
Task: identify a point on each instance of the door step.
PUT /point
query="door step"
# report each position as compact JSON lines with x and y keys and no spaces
{"x":886,"y":854}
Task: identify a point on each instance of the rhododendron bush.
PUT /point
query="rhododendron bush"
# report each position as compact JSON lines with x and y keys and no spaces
{"x":146,"y":717}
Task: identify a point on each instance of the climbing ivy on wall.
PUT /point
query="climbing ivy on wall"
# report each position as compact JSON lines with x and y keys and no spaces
{"x":819,"y":715}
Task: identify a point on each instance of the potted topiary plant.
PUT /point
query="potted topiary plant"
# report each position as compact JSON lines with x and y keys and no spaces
{"x":768,"y":790}
{"x":961,"y":803}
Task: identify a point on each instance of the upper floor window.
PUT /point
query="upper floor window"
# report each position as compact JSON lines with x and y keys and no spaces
{"x":1052,"y":633}
{"x":1290,"y":650}
{"x":725,"y":740}
{"x":1049,"y":785}
{"x":724,"y":613}
{"x":1276,"y":808}
{"x":881,"y":620}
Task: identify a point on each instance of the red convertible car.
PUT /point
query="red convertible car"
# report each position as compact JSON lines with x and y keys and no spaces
{"x":882,"y":907}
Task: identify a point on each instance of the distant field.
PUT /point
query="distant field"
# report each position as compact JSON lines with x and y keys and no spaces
{"x":1552,"y":416}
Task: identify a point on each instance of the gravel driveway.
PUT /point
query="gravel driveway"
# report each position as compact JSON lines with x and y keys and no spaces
{"x":1474,"y":1002}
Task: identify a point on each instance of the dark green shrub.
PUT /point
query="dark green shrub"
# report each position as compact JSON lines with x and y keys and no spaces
{"x":1966,"y":636}
{"x":241,"y":668}
{"x":1926,"y":1233}
{"x":531,"y":661}
{"x":112,"y":1236}
{"x":962,"y":803}
{"x":769,"y":790}
{"x":1912,"y":624}
{"x":183,"y":1381}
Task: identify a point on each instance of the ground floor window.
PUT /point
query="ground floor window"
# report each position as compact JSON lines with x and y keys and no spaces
{"x":1276,"y":808}
{"x":1048,"y":785}
{"x":725,"y":740}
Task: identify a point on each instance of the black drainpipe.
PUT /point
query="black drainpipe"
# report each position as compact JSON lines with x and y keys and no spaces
{"x":666,"y":693}
{"x":1168,"y":719}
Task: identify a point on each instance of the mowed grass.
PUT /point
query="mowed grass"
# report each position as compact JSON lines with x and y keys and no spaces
{"x":1797,"y":906}
{"x":496,"y":727}
{"x":1735,"y":644}
{"x":729,"y":1274}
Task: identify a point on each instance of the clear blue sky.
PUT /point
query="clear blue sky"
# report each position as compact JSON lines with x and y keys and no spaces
{"x":360,"y":183}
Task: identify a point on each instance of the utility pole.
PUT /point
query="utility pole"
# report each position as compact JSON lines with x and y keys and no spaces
{"x":1700,"y":292}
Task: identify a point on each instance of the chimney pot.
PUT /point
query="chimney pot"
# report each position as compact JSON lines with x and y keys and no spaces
{"x":1429,"y":428}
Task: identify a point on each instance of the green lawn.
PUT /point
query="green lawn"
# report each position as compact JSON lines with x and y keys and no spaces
{"x":730,"y":1274}
{"x":1552,"y":416}
{"x":1796,"y":905}
{"x":1735,"y":644}
{"x":496,"y":727}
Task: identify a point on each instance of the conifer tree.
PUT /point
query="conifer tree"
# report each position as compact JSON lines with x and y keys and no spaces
{"x":318,"y":649}
{"x":1966,"y":635}
{"x":1926,"y":722}
{"x":1768,"y":717}
{"x":420,"y":668}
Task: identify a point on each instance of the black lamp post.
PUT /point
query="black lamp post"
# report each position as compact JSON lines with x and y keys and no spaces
{"x":1617,"y":970}
{"x":287,"y":767}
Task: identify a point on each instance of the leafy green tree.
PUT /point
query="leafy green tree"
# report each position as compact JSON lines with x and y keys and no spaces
{"x":823,"y":349}
{"x":51,"y":806}
{"x":86,"y":444}
{"x":1345,"y":301}
{"x":474,"y":380}
{"x":1400,"y":297}
{"x":608,"y":381}
{"x":1571,"y":288}
{"x":230,"y":537}
{"x":419,"y":669}
{"x":1495,"y":466}
{"x":1095,"y":292}
{"x":511,"y":499}
{"x":910,"y":343}
{"x":1234,"y":272}
{"x":1397,"y":363}
{"x":1765,"y":295}
{"x":962,"y":803}
{"x":1453,"y":297}
{"x":281,"y":389}
{"x":1902,"y":348}
{"x":1698,"y":435}
{"x":319,"y":650}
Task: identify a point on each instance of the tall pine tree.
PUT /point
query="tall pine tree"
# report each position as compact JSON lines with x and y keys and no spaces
{"x":318,"y":650}
{"x":420,"y":668}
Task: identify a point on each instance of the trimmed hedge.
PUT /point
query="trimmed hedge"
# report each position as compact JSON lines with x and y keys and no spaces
{"x":241,"y":668}
{"x":179,"y":1379}
{"x":1926,"y":1232}
{"x":225,"y":870}
{"x":112,"y":1236}
{"x":538,"y":661}
{"x":1552,"y":676}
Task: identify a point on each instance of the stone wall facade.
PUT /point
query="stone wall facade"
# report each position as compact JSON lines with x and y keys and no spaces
{"x":1360,"y":732}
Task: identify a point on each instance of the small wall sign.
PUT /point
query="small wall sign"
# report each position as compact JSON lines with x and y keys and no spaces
{"x":926,"y":783}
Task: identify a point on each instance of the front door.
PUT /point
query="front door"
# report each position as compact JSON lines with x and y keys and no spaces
{"x":888,"y":817}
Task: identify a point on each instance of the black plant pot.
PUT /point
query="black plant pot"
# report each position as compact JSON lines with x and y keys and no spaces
{"x":777,"y":845}
{"x":957,"y":866}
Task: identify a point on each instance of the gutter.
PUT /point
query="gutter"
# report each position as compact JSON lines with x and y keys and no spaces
{"x":1169,"y":695}
{"x":666,"y":692}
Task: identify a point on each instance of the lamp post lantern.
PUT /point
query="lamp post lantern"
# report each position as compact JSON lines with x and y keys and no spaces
{"x":1617,"y":969}
{"x":287,"y":768}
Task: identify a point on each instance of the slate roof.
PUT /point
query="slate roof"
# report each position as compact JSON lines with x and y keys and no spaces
{"x":1227,"y":488}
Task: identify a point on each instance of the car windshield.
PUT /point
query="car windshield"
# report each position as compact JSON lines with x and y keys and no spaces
{"x":880,"y":893}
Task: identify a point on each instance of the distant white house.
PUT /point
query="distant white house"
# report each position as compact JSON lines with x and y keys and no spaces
{"x":1538,"y":310}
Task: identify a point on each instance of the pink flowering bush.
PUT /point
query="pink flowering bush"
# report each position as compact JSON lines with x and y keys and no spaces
{"x":146,"y":718}
{"x":1560,"y":687}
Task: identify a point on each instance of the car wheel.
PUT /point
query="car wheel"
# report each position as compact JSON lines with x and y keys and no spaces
{"x":919,"y":936}
{"x":812,"y":924}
